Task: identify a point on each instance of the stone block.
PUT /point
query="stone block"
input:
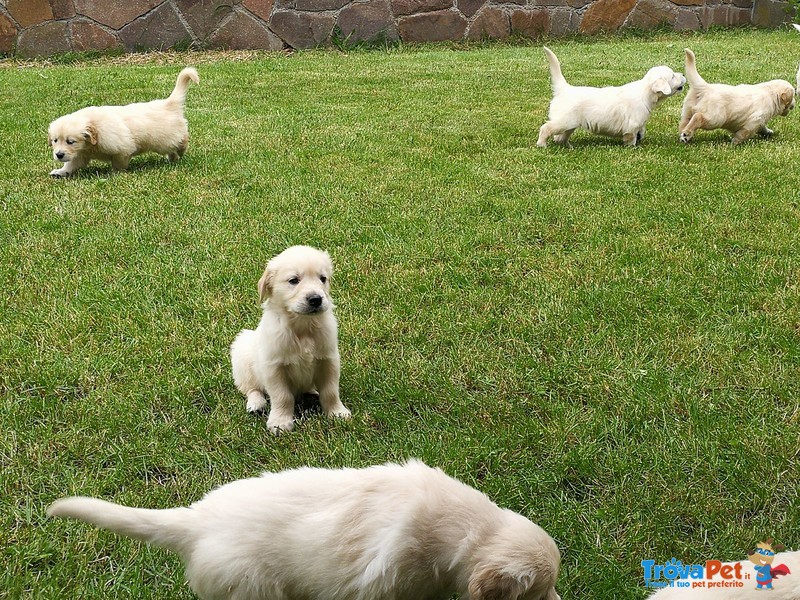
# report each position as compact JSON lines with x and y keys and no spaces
{"x":29,"y":12}
{"x":260,"y":8}
{"x":243,"y":32}
{"x":687,"y":20}
{"x":436,"y":26}
{"x":62,"y":9}
{"x":491,"y":23}
{"x":606,"y":16}
{"x":8,"y":35}
{"x":769,"y":13}
{"x":689,"y":2}
{"x":88,"y":36}
{"x":116,"y":14}
{"x":365,"y":21}
{"x":410,"y":7}
{"x":204,"y":16}
{"x":648,"y":14}
{"x":302,"y":30}
{"x":470,"y":7}
{"x":530,"y":23}
{"x":43,"y":40}
{"x":159,"y":30}
{"x":319,"y":5}
{"x":564,"y":22}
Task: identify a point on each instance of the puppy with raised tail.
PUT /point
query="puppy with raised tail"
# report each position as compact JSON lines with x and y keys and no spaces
{"x":618,"y":112}
{"x":294,"y":350}
{"x":117,"y":133}
{"x":744,"y":110}
{"x":390,"y":532}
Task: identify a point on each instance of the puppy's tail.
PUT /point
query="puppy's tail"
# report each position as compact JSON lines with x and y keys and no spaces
{"x":184,"y":77}
{"x":170,"y":528}
{"x":556,"y":77}
{"x":692,"y":76}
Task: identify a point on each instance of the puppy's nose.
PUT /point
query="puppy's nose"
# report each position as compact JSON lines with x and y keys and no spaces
{"x":315,"y":300}
{"x":59,"y":155}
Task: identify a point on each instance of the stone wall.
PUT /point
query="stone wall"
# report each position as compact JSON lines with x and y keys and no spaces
{"x":45,"y":27}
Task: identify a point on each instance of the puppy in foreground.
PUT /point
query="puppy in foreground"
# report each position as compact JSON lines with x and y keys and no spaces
{"x":294,"y":350}
{"x":618,"y":112}
{"x":744,"y":110}
{"x":116,"y":133}
{"x":783,"y":588}
{"x":390,"y":532}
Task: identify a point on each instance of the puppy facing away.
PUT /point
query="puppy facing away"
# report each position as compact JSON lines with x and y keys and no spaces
{"x":744,"y":110}
{"x":619,"y":112}
{"x":389,"y":532}
{"x":783,"y":588}
{"x":294,"y":349}
{"x":116,"y":133}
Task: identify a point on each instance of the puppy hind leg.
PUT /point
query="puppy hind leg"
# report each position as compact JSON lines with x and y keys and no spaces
{"x":179,"y":151}
{"x":563,"y":138}
{"x":243,"y":353}
{"x":696,"y":122}
{"x":765,"y":131}
{"x":743,"y":135}
{"x":629,"y":139}
{"x":545,"y":131}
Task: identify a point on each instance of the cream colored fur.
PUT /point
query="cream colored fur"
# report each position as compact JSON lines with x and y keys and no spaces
{"x":783,"y":588}
{"x":116,"y":133}
{"x":744,"y":110}
{"x":619,"y":112}
{"x":294,"y":350}
{"x":390,"y":532}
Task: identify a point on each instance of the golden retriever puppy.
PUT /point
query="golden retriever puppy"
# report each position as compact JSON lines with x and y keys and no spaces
{"x":294,"y":350}
{"x":782,"y":588}
{"x":116,"y":133}
{"x":744,"y":110}
{"x":389,"y":532}
{"x":619,"y":112}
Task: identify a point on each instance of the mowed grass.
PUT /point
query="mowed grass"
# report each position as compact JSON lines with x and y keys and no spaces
{"x":604,"y":339}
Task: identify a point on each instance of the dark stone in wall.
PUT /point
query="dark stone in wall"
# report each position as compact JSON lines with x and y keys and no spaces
{"x":241,"y":32}
{"x":45,"y":39}
{"x":367,"y":21}
{"x":436,"y":26}
{"x":302,"y":30}
{"x":158,"y":29}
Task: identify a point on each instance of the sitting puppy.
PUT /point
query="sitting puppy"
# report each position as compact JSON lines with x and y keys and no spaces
{"x":620,"y":112}
{"x":294,"y":349}
{"x":744,"y":110}
{"x":391,"y":532}
{"x":116,"y":133}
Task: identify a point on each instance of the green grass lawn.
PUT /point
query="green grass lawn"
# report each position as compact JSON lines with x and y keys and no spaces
{"x":604,"y":339}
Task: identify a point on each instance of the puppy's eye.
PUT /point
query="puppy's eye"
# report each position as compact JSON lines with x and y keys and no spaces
{"x":70,"y":142}
{"x":323,"y":279}
{"x":294,"y":280}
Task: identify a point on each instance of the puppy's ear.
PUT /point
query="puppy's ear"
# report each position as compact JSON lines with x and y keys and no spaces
{"x":49,"y":139}
{"x":491,"y":584}
{"x":265,"y":283}
{"x":661,"y":86}
{"x":91,"y":133}
{"x":787,"y":98}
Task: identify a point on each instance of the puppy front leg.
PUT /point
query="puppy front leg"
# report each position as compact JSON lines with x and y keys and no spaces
{"x":326,"y":379}
{"x":630,"y":139}
{"x":545,"y":131}
{"x":281,"y":398}
{"x":70,"y":167}
{"x":765,"y":131}
{"x":120,"y":163}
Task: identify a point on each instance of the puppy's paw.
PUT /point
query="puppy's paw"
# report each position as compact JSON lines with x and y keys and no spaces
{"x":280,"y":424}
{"x":340,"y":412}
{"x":766,"y":132}
{"x":58,"y":173}
{"x":256,"y":402}
{"x":685,"y":137}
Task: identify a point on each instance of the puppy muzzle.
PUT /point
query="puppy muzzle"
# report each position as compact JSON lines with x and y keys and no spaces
{"x":61,"y":156}
{"x":311,"y":305}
